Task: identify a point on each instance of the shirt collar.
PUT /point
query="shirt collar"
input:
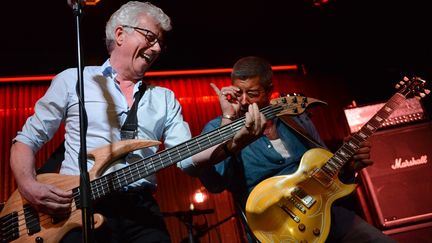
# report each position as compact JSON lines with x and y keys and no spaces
{"x":109,"y":72}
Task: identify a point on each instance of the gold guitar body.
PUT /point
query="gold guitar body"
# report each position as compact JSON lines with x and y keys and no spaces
{"x":52,"y":231}
{"x":296,"y":207}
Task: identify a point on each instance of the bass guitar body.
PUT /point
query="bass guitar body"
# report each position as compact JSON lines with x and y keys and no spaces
{"x":296,"y":207}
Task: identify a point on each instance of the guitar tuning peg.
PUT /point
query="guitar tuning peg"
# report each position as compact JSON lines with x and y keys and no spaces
{"x":402,"y":82}
{"x":397,"y":86}
{"x":405,"y":78}
{"x":427,"y":91}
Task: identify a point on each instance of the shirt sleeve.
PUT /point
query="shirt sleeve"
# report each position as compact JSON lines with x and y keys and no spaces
{"x":212,"y":177}
{"x":49,"y":112}
{"x":176,"y":129}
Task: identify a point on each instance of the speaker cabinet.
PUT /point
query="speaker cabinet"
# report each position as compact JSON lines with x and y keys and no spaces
{"x":413,"y":233}
{"x":398,"y":187}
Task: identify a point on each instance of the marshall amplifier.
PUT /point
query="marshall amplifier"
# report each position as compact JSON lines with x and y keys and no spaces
{"x":398,"y":186}
{"x":412,"y":233}
{"x":409,"y":111}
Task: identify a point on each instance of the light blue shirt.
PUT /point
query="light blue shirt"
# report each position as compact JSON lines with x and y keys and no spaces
{"x":159,"y":115}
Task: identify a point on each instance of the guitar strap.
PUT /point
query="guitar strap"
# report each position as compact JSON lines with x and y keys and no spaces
{"x":299,"y":129}
{"x":129,"y":129}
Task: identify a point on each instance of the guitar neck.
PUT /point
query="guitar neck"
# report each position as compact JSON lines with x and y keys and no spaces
{"x":119,"y":179}
{"x":348,"y":149}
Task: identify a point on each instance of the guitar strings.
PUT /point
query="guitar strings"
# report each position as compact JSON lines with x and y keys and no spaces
{"x":212,"y":137}
{"x":22,"y":223}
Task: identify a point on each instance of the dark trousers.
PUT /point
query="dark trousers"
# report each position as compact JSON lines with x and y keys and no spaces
{"x":129,"y":217}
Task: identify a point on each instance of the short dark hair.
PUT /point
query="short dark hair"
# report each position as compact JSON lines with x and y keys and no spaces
{"x":252,"y":66}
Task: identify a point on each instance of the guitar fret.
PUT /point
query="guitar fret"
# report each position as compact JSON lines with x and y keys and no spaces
{"x":347,"y":149}
{"x":133,"y":172}
{"x":178,"y":152}
{"x":339,"y":161}
{"x":362,"y":135}
{"x":138,"y":170}
{"x":333,"y":164}
{"x":340,"y":157}
{"x":331,"y":171}
{"x":326,"y":170}
{"x":374,"y":123}
{"x":356,"y":139}
{"x":96,"y":193}
{"x":199,"y":146}
{"x":208,"y":139}
{"x":388,"y":109}
{"x":353,"y":145}
{"x":160,"y":160}
{"x":103,"y":188}
{"x":142,"y":168}
{"x":346,"y":154}
{"x":118,"y":181}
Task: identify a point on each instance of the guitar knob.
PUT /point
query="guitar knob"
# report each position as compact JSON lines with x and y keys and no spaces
{"x":301,"y":227}
{"x":39,"y":239}
{"x":316,"y":231}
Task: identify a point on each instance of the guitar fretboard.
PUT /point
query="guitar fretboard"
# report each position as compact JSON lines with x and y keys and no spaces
{"x":119,"y":179}
{"x":348,"y":149}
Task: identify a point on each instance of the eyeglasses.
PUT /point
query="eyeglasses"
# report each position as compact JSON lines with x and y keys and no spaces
{"x":151,"y":37}
{"x":252,"y":94}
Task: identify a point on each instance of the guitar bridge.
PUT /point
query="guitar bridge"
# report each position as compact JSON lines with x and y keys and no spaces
{"x":289,"y":212}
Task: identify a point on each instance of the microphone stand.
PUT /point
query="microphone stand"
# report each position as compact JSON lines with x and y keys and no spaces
{"x":201,"y":233}
{"x":187,"y":218}
{"x":84,"y":188}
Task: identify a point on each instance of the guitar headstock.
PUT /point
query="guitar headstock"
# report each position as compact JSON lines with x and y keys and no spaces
{"x":294,"y":104}
{"x":412,"y":86}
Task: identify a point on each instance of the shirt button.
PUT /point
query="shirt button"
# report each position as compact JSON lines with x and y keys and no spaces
{"x":281,"y":162}
{"x":269,"y":146}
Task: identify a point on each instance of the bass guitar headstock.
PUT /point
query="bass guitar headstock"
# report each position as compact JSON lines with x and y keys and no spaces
{"x":295,"y":104}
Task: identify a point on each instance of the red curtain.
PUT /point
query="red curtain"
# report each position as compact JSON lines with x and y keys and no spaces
{"x":200,"y":104}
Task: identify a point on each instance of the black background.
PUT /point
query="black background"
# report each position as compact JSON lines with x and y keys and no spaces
{"x":371,"y":44}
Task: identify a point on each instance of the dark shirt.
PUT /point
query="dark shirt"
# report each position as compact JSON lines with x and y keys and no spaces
{"x":239,"y":174}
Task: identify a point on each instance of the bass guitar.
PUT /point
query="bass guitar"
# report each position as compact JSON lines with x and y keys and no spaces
{"x":296,"y":207}
{"x":20,"y":222}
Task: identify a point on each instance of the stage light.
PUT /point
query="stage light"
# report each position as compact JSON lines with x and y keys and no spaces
{"x":200,"y":195}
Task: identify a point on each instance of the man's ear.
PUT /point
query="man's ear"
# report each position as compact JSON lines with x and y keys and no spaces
{"x":119,"y":35}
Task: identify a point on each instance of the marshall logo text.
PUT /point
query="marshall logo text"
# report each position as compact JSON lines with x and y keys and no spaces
{"x":399,"y":164}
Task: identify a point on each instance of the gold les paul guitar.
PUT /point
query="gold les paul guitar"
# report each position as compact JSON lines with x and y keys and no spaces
{"x":296,"y":207}
{"x":19,"y":222}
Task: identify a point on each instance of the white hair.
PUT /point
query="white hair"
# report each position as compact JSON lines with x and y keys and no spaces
{"x":129,"y":13}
